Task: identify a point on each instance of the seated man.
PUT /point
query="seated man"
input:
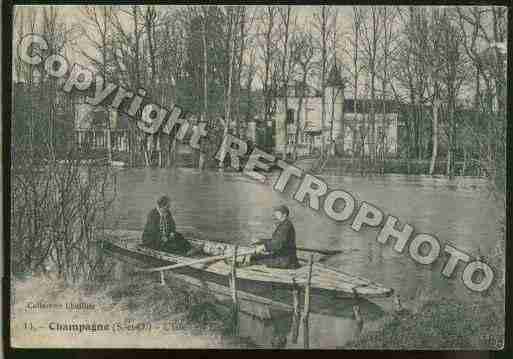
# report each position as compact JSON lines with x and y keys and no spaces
{"x":280,"y":250}
{"x":160,"y":231}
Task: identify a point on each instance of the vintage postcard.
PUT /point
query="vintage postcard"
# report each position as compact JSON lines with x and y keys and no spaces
{"x":325,"y":177}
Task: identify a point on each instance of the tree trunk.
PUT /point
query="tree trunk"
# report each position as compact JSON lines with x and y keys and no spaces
{"x":323,"y":79}
{"x":436,"y":105}
{"x":285,"y":76}
{"x":334,"y":94}
{"x":204,"y":116}
{"x":228,"y":92}
{"x":242,"y":17}
{"x":298,"y":117}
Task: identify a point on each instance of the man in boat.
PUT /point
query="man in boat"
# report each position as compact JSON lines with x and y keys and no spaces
{"x":160,"y":230}
{"x":280,"y":250}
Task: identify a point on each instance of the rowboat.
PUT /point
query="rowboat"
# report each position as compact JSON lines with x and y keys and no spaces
{"x":255,"y":278}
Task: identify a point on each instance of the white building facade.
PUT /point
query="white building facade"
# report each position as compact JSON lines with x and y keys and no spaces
{"x":343,"y":131}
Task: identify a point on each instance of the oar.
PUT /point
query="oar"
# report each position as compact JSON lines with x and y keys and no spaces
{"x":327,"y":252}
{"x":198,"y":261}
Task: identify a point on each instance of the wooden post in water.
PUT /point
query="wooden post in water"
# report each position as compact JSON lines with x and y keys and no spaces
{"x":296,"y":313}
{"x":359,"y":320}
{"x":306,"y":309}
{"x":233,"y":288}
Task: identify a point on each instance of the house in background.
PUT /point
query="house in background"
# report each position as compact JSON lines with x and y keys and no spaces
{"x":346,"y":126}
{"x":310,"y":129}
{"x":357,"y":118}
{"x":97,"y":127}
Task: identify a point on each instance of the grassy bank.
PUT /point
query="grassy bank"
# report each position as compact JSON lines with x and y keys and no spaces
{"x":179,"y":317}
{"x":439,"y":324}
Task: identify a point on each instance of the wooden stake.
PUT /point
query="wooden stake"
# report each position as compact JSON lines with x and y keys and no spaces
{"x":162,"y":281}
{"x":306,"y":309}
{"x":233,"y":287}
{"x":358,"y":318}
{"x":296,"y":313}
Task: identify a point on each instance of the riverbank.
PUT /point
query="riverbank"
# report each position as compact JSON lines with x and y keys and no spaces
{"x":441,"y":324}
{"x":185,"y":158}
{"x":350,"y":166}
{"x":148,"y":315}
{"x":139,"y":313}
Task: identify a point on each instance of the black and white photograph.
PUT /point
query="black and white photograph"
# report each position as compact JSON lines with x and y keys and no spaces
{"x":257,"y":176}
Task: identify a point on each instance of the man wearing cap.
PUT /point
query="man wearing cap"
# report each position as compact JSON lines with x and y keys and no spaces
{"x":280,"y":250}
{"x":160,"y":230}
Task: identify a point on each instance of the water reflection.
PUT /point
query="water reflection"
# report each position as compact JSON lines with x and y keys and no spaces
{"x":266,"y":333}
{"x":326,"y":331}
{"x":332,"y":321}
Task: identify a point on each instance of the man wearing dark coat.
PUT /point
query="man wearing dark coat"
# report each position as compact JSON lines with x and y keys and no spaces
{"x":280,"y":250}
{"x":160,"y":230}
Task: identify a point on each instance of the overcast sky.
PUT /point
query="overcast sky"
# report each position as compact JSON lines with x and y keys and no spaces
{"x":73,"y":16}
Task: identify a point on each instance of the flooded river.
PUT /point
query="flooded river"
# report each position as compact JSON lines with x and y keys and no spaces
{"x":232,"y":207}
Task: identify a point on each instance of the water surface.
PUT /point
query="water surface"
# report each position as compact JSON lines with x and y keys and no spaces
{"x":232,"y":207}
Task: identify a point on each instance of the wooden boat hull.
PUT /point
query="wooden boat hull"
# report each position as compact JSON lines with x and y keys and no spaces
{"x":257,"y":279}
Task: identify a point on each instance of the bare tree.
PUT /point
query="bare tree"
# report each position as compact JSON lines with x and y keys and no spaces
{"x":242,"y":34}
{"x":267,"y":29}
{"x":302,"y":51}
{"x":151,"y":19}
{"x":371,"y":38}
{"x":409,"y":73}
{"x":97,"y":30}
{"x":387,"y":48}
{"x":286,"y":18}
{"x":127,"y":48}
{"x":355,"y":70}
{"x":231,"y":29}
{"x":432,"y":56}
{"x":483,"y":48}
{"x":58,"y":203}
{"x":453,"y":75}
{"x":325,"y":21}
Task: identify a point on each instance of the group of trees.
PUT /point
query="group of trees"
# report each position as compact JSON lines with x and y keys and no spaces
{"x":208,"y":59}
{"x":58,"y":203}
{"x":431,"y":61}
{"x":227,"y":64}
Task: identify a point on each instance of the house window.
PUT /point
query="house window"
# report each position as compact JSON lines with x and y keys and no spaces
{"x":291,"y":138}
{"x":290,"y":116}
